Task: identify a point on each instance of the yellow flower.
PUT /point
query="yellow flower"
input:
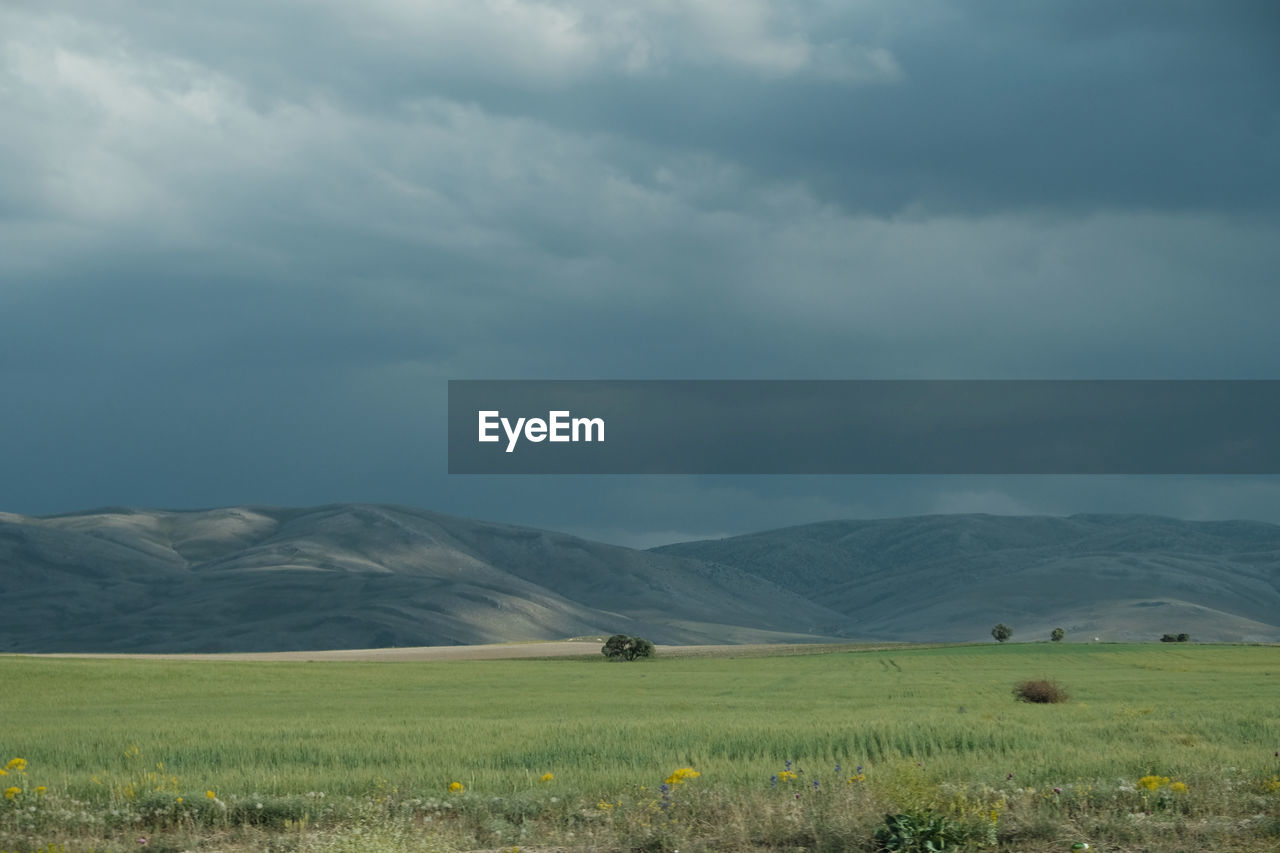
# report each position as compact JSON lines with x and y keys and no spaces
{"x":40,"y":789}
{"x":604,"y":806}
{"x":456,"y":787}
{"x":10,"y":793}
{"x":548,"y":777}
{"x":786,"y":775}
{"x":210,"y":795}
{"x":179,"y":799}
{"x":3,"y":772}
{"x":1152,"y":782}
{"x":861,"y":777}
{"x":16,"y":764}
{"x":1178,"y":787}
{"x":681,"y":774}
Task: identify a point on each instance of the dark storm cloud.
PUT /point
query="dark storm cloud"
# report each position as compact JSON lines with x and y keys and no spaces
{"x":243,"y":245}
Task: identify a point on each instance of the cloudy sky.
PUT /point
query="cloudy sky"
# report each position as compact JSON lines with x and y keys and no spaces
{"x":244,"y":244}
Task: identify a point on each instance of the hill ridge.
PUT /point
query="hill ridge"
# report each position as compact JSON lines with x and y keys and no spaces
{"x":354,"y":575}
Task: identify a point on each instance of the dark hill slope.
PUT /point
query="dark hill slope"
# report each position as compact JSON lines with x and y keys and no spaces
{"x":954,"y":576}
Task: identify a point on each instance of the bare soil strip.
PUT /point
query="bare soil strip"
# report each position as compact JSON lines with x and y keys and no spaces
{"x":493,"y":651}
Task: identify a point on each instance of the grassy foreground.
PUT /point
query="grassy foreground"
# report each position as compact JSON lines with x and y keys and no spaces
{"x":1161,"y":748}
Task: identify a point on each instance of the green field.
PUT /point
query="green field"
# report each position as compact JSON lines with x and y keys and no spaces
{"x":935,"y":730}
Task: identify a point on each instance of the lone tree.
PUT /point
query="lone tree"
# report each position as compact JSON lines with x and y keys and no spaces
{"x":1175,"y":638}
{"x":1057,"y":634}
{"x":1002,"y":632}
{"x":622,"y":647}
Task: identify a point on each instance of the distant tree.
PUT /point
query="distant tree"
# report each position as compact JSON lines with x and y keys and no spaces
{"x":1057,"y":634}
{"x":1184,"y":638}
{"x":622,"y":647}
{"x":1169,"y":638}
{"x":1002,"y":632}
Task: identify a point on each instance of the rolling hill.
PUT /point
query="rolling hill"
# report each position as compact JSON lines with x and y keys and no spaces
{"x":951,"y":577}
{"x":358,"y":576}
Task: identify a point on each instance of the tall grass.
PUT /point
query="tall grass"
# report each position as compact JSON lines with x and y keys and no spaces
{"x":389,"y":731}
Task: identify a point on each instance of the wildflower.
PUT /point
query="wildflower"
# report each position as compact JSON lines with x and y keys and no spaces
{"x":604,"y":806}
{"x":788,"y":763}
{"x":1178,"y":787}
{"x":1151,"y":783}
{"x":1007,"y":778}
{"x":456,"y":787}
{"x":11,"y":793}
{"x":548,"y":777}
{"x":1057,"y":790}
{"x":179,"y":800}
{"x":773,"y":780}
{"x":143,"y":841}
{"x":837,"y":768}
{"x":210,"y":795}
{"x":40,"y":789}
{"x":681,"y":774}
{"x":16,"y":764}
{"x":861,"y":777}
{"x":815,"y":784}
{"x":787,"y":775}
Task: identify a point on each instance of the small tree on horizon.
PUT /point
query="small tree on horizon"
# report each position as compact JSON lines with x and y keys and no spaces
{"x":1057,"y":634}
{"x":1001,"y":632}
{"x":622,"y":647}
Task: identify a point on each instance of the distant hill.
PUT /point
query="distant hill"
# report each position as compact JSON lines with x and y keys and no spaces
{"x":951,"y":577}
{"x":359,"y":576}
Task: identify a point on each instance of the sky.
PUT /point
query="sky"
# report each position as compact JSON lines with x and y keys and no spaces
{"x":245,"y":244}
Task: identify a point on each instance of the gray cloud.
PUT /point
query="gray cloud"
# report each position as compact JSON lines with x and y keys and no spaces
{"x":242,"y":247}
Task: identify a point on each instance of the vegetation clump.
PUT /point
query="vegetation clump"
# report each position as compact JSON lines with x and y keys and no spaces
{"x":1175,"y":638}
{"x":1057,"y":634}
{"x":918,"y":833}
{"x":1040,"y":691}
{"x":1001,"y":632}
{"x":622,"y":647}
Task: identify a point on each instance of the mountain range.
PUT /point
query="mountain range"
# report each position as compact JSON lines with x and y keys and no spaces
{"x":362,"y":576}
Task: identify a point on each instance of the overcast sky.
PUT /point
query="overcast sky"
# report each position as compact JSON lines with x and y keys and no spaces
{"x":244,"y":244}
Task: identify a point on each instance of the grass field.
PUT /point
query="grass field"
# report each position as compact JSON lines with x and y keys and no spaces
{"x":936,"y":732}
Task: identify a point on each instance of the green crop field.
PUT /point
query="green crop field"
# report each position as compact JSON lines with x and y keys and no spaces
{"x":323,"y":750}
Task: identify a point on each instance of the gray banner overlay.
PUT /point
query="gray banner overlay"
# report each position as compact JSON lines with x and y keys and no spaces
{"x":864,"y":427}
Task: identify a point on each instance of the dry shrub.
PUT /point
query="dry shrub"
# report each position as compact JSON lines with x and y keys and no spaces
{"x":1040,"y":691}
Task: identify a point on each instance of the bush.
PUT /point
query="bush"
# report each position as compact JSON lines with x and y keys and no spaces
{"x":622,"y":647}
{"x":1041,"y":692}
{"x":918,"y":833}
{"x":1002,"y":632}
{"x":1175,"y":638}
{"x":1057,"y":634}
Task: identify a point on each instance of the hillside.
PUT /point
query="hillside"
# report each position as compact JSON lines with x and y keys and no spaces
{"x":951,"y":577}
{"x":246,"y":579}
{"x":358,"y":576}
